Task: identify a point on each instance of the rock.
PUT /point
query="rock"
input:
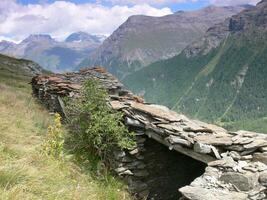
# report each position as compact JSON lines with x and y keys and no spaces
{"x":117,"y":105}
{"x":243,"y":182}
{"x":119,"y":154}
{"x":263,"y":178}
{"x":177,"y":140}
{"x":235,"y":155}
{"x":216,"y":153}
{"x":202,"y":148}
{"x":127,"y":172}
{"x":225,"y":162}
{"x":134,"y":151}
{"x":257,"y":143}
{"x":158,"y":111}
{"x":215,"y":140}
{"x":120,"y":170}
{"x":133,"y":122}
{"x":261,"y":157}
{"x":263,"y":149}
{"x":239,"y":139}
{"x":137,"y":186}
{"x":200,"y":193}
{"x":140,"y":173}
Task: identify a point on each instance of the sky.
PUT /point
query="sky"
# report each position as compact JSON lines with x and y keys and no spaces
{"x":59,"y":18}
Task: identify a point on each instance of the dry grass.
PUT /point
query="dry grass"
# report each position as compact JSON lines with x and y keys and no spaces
{"x":27,"y":174}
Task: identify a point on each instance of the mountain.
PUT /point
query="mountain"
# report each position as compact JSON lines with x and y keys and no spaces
{"x":51,"y":54}
{"x":142,"y":40}
{"x":85,"y":37}
{"x":219,"y":78}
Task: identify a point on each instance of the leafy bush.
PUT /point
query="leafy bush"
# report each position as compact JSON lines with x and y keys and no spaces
{"x":95,"y":126}
{"x":54,"y":141}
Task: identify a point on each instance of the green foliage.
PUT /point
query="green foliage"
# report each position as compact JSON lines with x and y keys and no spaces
{"x":54,"y":141}
{"x":228,"y":85}
{"x":95,"y":126}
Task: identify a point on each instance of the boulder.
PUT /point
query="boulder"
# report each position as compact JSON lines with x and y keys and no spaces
{"x":199,"y":193}
{"x":243,"y":182}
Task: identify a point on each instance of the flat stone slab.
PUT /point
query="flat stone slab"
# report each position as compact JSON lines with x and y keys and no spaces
{"x":199,"y":193}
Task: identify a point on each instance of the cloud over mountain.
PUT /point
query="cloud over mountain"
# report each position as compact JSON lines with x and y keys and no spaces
{"x":62,"y":18}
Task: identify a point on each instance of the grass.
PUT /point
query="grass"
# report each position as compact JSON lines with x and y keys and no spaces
{"x":27,"y":174}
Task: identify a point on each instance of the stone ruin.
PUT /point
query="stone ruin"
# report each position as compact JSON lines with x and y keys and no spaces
{"x":176,"y":157}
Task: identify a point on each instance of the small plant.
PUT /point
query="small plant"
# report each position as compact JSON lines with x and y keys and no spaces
{"x":54,"y":141}
{"x":95,"y":126}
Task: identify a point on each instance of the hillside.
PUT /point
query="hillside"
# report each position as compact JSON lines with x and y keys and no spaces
{"x":142,"y":40}
{"x":51,"y":54}
{"x":220,"y":78}
{"x":25,"y":173}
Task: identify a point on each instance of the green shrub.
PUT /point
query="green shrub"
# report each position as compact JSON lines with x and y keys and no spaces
{"x":94,"y":125}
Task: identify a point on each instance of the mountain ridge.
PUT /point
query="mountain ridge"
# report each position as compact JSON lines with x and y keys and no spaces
{"x":142,"y":40}
{"x":219,"y":78}
{"x":51,"y":54}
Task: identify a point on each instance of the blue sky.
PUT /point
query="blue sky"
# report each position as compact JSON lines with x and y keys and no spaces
{"x":59,"y":18}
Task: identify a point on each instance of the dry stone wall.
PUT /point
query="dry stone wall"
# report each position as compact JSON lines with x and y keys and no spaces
{"x":236,"y":161}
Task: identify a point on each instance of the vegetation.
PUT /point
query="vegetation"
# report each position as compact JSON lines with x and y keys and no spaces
{"x":96,"y":128}
{"x":25,"y":173}
{"x":227,"y":86}
{"x":54,"y":140}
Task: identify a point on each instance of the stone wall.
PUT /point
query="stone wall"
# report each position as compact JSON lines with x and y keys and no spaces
{"x":237,"y":161}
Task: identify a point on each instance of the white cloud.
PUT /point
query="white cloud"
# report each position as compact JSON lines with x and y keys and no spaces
{"x":167,"y":2}
{"x":150,"y":2}
{"x":233,"y":2}
{"x":62,"y":18}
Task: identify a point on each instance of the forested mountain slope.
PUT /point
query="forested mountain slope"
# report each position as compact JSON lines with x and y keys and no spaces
{"x":220,"y":78}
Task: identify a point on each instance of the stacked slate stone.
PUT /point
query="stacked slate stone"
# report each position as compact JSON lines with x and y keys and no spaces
{"x":237,"y":161}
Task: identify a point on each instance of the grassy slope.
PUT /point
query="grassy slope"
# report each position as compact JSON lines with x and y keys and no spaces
{"x":27,"y":174}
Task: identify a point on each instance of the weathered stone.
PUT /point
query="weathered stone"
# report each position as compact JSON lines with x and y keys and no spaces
{"x":134,"y":151}
{"x":235,"y":155}
{"x":120,"y":169}
{"x":158,"y":111}
{"x":241,"y":140}
{"x":243,"y":182}
{"x":200,"y":193}
{"x":263,"y":178}
{"x":202,"y":148}
{"x":140,"y":173}
{"x":127,"y":172}
{"x":261,"y":157}
{"x":216,"y":153}
{"x":257,"y":143}
{"x":177,"y":140}
{"x":216,"y":140}
{"x":225,"y":162}
{"x":263,"y":149}
{"x":133,"y":122}
{"x":117,"y":105}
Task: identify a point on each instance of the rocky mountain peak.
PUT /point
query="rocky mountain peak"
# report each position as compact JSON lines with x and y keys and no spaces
{"x":84,"y":37}
{"x":38,"y":38}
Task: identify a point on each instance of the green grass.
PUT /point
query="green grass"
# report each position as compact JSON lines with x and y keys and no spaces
{"x":25,"y":173}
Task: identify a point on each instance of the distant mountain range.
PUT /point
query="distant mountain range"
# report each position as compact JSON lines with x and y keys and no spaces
{"x":51,"y":54}
{"x":142,"y":40}
{"x":220,"y":77}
